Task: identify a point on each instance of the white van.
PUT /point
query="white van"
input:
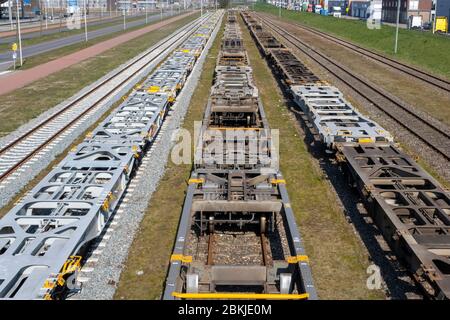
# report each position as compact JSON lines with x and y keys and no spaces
{"x":317,"y":8}
{"x":336,"y":12}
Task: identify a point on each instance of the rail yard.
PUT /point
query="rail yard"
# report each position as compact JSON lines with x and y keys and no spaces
{"x":167,"y":178}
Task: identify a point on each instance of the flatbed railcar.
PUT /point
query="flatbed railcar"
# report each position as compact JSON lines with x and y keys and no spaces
{"x":410,"y":207}
{"x":43,"y":237}
{"x":290,"y":69}
{"x":237,"y":236}
{"x":264,"y":40}
{"x":232,"y":52}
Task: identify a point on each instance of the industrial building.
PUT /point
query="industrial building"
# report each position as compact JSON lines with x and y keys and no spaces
{"x":442,"y":8}
{"x":408,"y":8}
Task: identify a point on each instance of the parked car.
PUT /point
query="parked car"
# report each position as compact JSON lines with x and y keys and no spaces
{"x":427,"y":26}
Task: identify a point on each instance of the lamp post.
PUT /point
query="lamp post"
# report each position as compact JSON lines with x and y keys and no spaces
{"x":40,"y":17}
{"x":19,"y":34}
{"x":46,"y":14}
{"x":10,"y":14}
{"x":60,"y":15}
{"x":85,"y":21}
{"x":124,"y":19}
{"x":396,"y":29}
{"x":146,"y":13}
{"x":52,"y":12}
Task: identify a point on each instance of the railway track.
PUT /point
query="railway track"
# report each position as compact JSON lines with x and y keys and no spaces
{"x":433,"y":136}
{"x":45,"y":238}
{"x":429,"y":78}
{"x":23,"y":148}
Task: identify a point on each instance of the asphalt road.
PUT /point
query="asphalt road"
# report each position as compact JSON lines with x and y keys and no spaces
{"x":35,"y":22}
{"x":6,"y":58}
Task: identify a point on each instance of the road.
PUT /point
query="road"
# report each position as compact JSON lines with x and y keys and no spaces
{"x":54,"y":28}
{"x":29,"y":25}
{"x":6,"y":58}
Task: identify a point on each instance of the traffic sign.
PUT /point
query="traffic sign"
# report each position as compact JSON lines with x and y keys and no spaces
{"x":14,"y":55}
{"x":14,"y":47}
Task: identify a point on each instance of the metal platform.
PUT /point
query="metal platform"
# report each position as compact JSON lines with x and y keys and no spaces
{"x":411,"y":210}
{"x":335,"y":119}
{"x":251,"y":198}
{"x":292,"y":70}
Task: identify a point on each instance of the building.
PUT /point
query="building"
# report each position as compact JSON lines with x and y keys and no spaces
{"x":442,"y":8}
{"x":359,"y":8}
{"x":421,"y":8}
{"x":408,"y":8}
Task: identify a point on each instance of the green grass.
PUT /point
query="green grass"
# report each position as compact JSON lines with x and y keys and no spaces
{"x":22,"y":105}
{"x":4,"y":47}
{"x":423,"y":49}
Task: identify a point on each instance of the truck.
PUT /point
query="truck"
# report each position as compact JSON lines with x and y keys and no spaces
{"x":373,"y":13}
{"x":415,"y":22}
{"x":336,"y":12}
